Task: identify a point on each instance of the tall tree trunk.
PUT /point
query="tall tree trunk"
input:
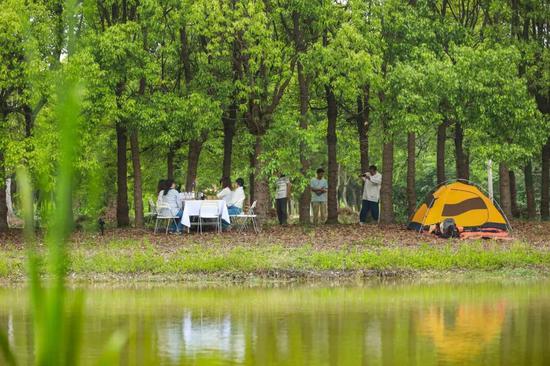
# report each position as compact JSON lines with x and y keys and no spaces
{"x":251,"y":177}
{"x":229,"y":122}
{"x":545,"y":183}
{"x":462,"y":164}
{"x":170,"y":164}
{"x":345,"y":184}
{"x":386,"y":189}
{"x":193,"y":155}
{"x":411,"y":173}
{"x":9,"y":195}
{"x":29,"y":120}
{"x":504,"y":189}
{"x":441,"y":139}
{"x":122,"y":209}
{"x":3,"y":205}
{"x":362,"y":122}
{"x":332,"y":195}
{"x":530,"y":191}
{"x":304,"y":201}
{"x":386,"y":195}
{"x":261,"y":186}
{"x":513,"y":194}
{"x":136,"y":165}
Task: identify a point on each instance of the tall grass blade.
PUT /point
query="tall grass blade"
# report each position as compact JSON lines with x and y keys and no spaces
{"x":9,"y":357}
{"x":113,"y":349}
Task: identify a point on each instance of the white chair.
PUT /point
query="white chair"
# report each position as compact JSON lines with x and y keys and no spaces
{"x":251,"y":217}
{"x":210,"y":211}
{"x":152,"y":214}
{"x":165,"y":213}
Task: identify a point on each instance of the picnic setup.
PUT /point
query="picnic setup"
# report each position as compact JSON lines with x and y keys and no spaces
{"x":200,"y":213}
{"x":176,"y":212}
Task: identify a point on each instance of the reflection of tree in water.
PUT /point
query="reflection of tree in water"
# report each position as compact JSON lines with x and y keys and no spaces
{"x":463,"y":333}
{"x":194,"y":336}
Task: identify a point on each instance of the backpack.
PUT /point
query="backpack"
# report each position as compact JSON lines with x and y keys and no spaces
{"x":448,"y":229}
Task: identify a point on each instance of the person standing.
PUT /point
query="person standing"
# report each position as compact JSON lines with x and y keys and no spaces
{"x":281,"y":198}
{"x":371,"y":194}
{"x":319,"y":188}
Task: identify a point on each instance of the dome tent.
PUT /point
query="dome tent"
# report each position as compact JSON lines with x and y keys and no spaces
{"x":462,"y":201}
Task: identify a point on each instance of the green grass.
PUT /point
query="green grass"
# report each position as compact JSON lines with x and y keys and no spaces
{"x":143,"y":258}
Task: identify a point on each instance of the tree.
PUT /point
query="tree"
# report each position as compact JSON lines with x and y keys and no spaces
{"x":13,"y":87}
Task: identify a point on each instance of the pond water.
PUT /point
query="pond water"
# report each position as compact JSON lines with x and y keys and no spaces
{"x":490,"y":323}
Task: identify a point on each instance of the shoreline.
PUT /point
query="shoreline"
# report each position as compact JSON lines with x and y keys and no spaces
{"x":293,"y":277}
{"x":341,"y":253}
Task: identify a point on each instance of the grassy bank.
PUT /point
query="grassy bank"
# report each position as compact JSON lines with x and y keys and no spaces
{"x":210,"y":258}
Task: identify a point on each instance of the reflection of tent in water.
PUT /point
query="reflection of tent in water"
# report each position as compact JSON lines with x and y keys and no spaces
{"x":462,"y":201}
{"x":463,"y":334}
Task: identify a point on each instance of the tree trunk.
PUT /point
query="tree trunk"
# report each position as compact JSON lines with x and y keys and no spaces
{"x":332,"y":195}
{"x":251,"y":177}
{"x":170,"y":164}
{"x":441,"y":139}
{"x":504,"y":189}
{"x":9,"y":195}
{"x":386,"y":198}
{"x":138,"y":195}
{"x":304,"y":201}
{"x":305,"y":197}
{"x":229,"y":122}
{"x":3,"y":205}
{"x":193,"y":155}
{"x":261,"y":186}
{"x":545,"y":183}
{"x":530,"y":191}
{"x":513,"y":195}
{"x":29,"y":120}
{"x":345,"y":179}
{"x":411,"y":173}
{"x":386,"y":189}
{"x":122,"y":209}
{"x":462,"y":164}
{"x":362,"y":122}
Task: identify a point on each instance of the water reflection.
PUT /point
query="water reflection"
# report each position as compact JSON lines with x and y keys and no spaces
{"x":462,"y":333}
{"x":474,"y":324}
{"x":196,"y":335}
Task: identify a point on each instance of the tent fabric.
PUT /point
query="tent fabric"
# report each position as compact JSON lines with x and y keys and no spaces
{"x":462,"y":201}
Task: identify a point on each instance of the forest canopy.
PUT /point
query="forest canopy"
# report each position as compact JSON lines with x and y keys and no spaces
{"x":199,"y":89}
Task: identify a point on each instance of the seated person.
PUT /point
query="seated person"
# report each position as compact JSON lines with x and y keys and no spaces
{"x":170,"y":198}
{"x":160,"y":190}
{"x":235,"y":205}
{"x":226,"y":193}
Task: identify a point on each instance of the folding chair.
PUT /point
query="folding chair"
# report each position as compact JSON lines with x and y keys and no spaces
{"x":251,"y":217}
{"x":152,"y":214}
{"x":210,"y":211}
{"x":165,"y":213}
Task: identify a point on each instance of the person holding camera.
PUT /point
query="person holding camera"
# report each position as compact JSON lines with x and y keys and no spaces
{"x":371,"y":194}
{"x":319,"y":188}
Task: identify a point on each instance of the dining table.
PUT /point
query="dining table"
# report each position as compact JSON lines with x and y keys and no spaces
{"x":193,"y":208}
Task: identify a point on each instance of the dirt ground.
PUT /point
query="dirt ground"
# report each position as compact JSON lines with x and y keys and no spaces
{"x":536,"y":234}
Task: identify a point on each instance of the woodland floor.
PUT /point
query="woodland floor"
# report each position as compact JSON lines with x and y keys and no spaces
{"x":338,"y":251}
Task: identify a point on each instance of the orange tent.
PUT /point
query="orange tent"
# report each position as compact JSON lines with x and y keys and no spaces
{"x":462,"y":201}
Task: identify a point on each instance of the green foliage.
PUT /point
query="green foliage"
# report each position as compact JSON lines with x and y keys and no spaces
{"x":170,"y":70}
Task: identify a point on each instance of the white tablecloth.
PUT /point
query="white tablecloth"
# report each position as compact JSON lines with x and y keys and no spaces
{"x":193,"y":208}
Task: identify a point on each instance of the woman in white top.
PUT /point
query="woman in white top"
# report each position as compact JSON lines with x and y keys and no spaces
{"x":226,"y":193}
{"x":235,"y":205}
{"x":160,"y":191}
{"x":170,"y":199}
